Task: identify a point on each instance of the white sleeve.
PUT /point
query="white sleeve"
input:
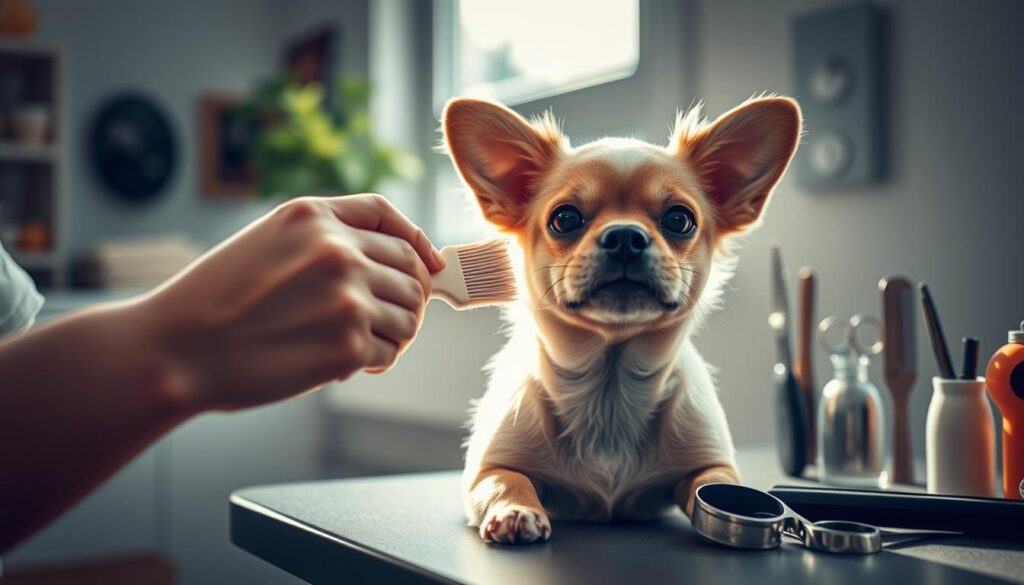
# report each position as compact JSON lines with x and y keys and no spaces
{"x":19,"y":299}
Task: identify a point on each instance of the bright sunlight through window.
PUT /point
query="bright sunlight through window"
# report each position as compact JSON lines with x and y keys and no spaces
{"x":518,"y":51}
{"x":527,"y":49}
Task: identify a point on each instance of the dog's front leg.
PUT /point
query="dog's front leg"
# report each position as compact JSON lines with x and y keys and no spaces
{"x":685,"y":489}
{"x":509,"y":508}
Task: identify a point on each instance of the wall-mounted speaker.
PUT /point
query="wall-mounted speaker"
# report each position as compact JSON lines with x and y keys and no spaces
{"x":840,"y":80}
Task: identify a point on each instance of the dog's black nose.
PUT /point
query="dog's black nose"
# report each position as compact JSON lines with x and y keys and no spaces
{"x":624,"y":242}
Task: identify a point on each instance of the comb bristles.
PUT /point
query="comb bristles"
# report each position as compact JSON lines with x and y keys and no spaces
{"x":488,"y":279}
{"x":487,"y":271}
{"x":490,"y":286}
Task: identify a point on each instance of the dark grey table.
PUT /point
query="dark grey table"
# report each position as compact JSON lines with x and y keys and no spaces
{"x":410,"y":528}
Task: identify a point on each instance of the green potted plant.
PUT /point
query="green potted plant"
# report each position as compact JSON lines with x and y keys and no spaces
{"x":303,"y":145}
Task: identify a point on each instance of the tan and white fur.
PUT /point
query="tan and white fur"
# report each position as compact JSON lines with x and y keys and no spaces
{"x":600,"y":406}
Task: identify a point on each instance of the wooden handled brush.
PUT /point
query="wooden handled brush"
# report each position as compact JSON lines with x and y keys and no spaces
{"x":900,"y":367}
{"x":476,"y":275}
{"x":803,"y":364}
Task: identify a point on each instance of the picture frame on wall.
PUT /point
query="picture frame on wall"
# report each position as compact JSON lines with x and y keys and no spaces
{"x":313,"y":58}
{"x":226,"y":168}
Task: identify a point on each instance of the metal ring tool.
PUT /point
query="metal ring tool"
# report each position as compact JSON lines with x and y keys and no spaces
{"x":850,"y":342}
{"x":741,"y":517}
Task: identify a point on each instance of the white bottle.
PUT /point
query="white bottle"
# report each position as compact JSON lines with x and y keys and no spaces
{"x":960,"y":442}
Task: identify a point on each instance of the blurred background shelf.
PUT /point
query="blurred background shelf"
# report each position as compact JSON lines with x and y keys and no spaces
{"x":15,"y":152}
{"x":32,"y":169}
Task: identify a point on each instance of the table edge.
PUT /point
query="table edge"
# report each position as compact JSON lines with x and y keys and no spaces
{"x":239,"y":504}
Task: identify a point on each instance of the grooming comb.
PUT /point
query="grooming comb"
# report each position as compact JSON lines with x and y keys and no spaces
{"x":476,"y":275}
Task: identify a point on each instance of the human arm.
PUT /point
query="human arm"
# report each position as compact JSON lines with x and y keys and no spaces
{"x":317,"y":290}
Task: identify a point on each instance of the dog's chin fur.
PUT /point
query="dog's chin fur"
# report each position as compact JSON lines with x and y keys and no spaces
{"x":600,"y":407}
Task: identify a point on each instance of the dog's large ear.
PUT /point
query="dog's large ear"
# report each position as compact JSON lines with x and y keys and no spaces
{"x":742,"y":155}
{"x":499,"y":155}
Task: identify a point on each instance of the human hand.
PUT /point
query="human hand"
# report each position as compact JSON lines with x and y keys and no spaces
{"x":316,"y":290}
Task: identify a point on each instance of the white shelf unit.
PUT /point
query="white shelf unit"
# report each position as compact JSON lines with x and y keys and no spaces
{"x":32,"y":175}
{"x":12,"y":151}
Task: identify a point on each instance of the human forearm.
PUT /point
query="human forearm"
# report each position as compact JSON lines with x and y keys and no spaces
{"x":317,"y":290}
{"x":80,"y":398}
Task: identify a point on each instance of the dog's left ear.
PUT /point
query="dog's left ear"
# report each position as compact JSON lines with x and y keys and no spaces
{"x":742,"y":155}
{"x":500,"y":155}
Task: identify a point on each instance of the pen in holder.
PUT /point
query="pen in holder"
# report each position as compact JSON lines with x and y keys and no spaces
{"x":960,"y":439}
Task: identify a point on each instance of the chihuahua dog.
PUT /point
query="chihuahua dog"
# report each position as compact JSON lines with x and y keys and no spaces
{"x":600,"y":407}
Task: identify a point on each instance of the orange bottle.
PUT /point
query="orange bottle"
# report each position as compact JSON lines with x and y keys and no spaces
{"x":1005,"y":380}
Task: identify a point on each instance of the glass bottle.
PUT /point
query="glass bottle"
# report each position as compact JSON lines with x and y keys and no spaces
{"x":851,"y":427}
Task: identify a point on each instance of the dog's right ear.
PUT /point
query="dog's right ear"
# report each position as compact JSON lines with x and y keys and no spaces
{"x":499,"y":155}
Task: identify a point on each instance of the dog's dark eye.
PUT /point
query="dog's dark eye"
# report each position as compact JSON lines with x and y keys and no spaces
{"x":679,"y":222}
{"x":565,"y":219}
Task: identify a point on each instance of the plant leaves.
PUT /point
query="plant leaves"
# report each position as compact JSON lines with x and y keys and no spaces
{"x":302,"y":148}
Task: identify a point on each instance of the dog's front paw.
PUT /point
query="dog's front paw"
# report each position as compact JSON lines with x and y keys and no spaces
{"x":514,"y":524}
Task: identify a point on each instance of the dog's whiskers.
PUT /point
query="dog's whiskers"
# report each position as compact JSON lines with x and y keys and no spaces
{"x":551,"y":288}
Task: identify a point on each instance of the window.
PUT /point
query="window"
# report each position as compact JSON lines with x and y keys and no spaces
{"x":528,"y":49}
{"x":516,"y":52}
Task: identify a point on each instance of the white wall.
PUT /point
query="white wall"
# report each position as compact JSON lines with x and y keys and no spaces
{"x":950,"y":214}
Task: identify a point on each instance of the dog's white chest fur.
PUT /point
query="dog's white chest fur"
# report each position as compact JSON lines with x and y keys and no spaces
{"x":601,"y":438}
